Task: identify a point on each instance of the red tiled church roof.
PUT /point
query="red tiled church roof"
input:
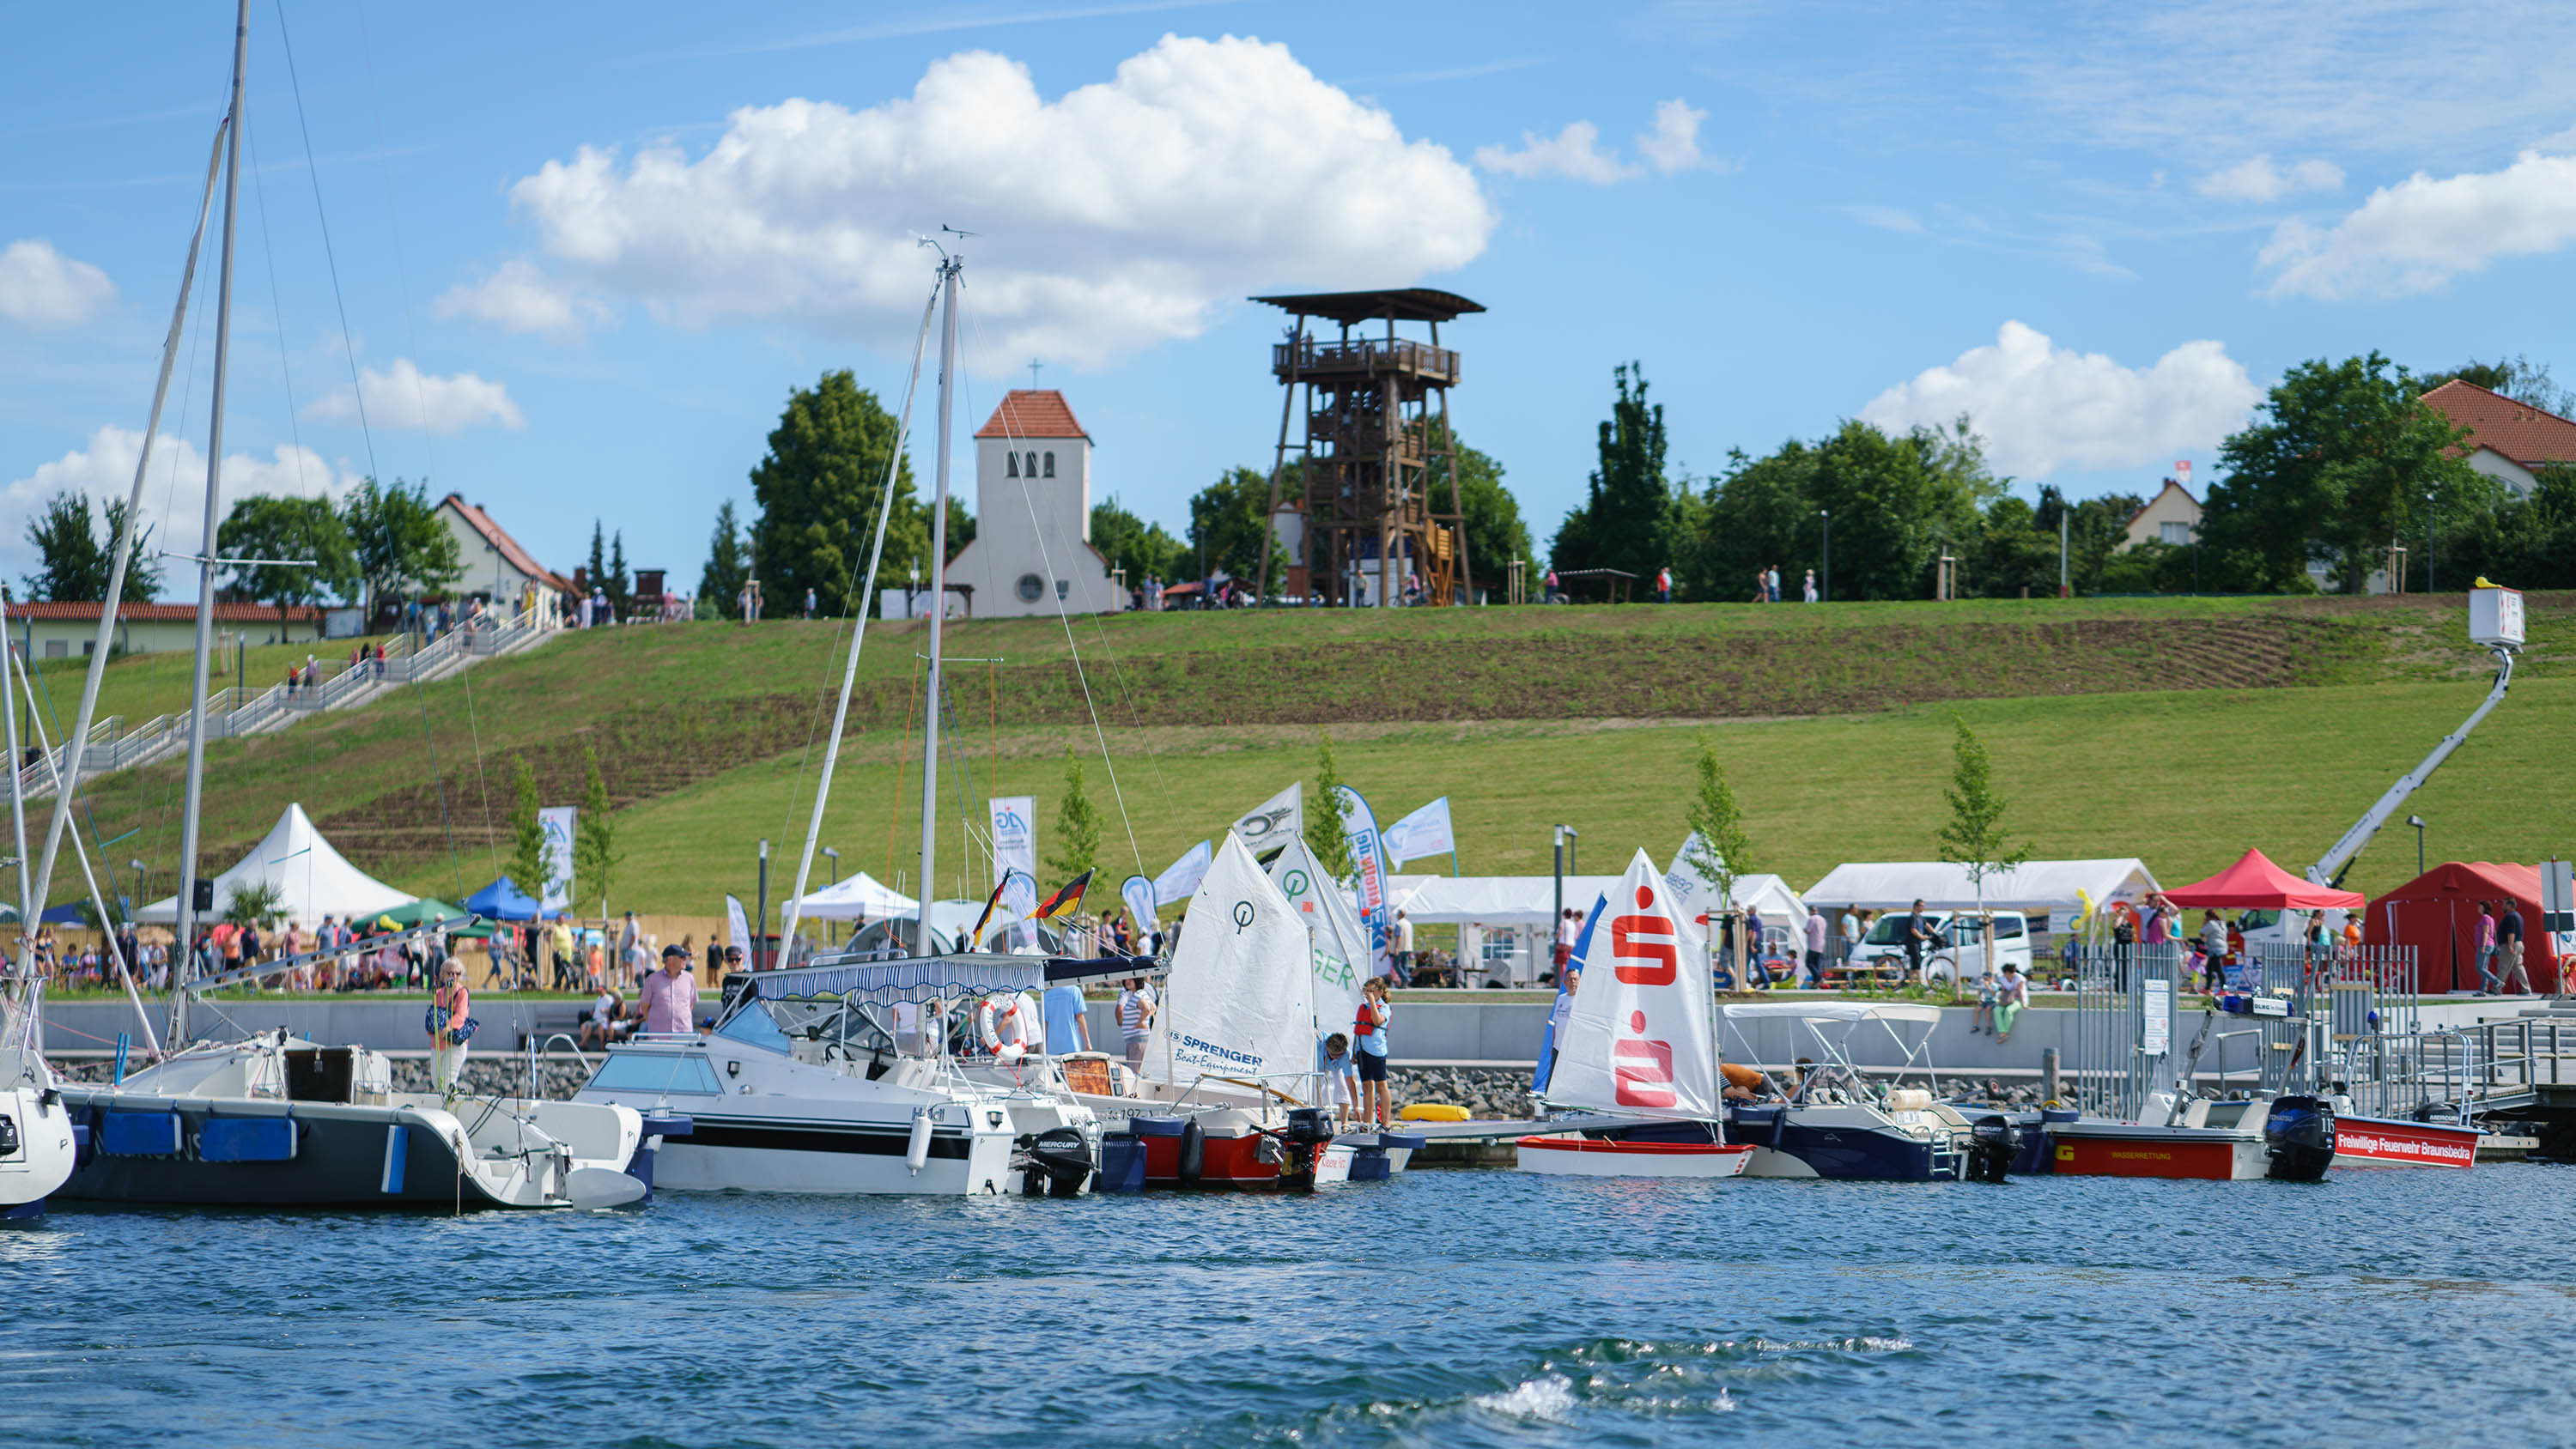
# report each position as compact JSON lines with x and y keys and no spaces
{"x":2517,"y":430}
{"x":1032,"y":413}
{"x":493,"y":534}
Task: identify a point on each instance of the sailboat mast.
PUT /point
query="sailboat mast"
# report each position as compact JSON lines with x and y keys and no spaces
{"x":27,"y":908}
{"x":178,"y":1032}
{"x":948,"y":268}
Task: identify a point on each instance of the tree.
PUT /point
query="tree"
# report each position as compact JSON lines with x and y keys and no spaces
{"x":961,"y":529}
{"x":1896,"y":502}
{"x":1758,"y":513}
{"x":307,"y":538}
{"x":526,"y":865}
{"x":2334,"y":469}
{"x":1719,"y":852}
{"x":1229,"y":523}
{"x":72,"y":566}
{"x":620,"y":596}
{"x":1624,"y":522}
{"x":1077,"y":825}
{"x":1975,"y":837}
{"x":1130,"y":543}
{"x":2096,"y":529}
{"x":595,"y":572}
{"x":727,"y":568}
{"x":594,"y":845}
{"x":255,"y":903}
{"x":819,"y":487}
{"x":397,"y":545}
{"x":2528,"y":542}
{"x":1495,"y":533}
{"x":1325,"y":834}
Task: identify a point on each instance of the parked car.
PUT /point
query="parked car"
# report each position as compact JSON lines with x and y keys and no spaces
{"x":1958,"y":951}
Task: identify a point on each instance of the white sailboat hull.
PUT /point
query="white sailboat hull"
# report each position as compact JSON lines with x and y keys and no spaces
{"x":43,"y":1161}
{"x":1595,"y":1157}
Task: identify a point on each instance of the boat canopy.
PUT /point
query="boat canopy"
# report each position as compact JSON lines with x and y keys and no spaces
{"x":1920,"y":1013}
{"x":981,"y":973}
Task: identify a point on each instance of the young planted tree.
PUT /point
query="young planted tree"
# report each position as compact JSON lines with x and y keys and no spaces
{"x":1077,"y":825}
{"x":255,"y":904}
{"x":594,"y":838}
{"x":1324,"y":833}
{"x":1719,"y":850}
{"x":621,"y":595}
{"x":1975,"y":836}
{"x":526,"y":866}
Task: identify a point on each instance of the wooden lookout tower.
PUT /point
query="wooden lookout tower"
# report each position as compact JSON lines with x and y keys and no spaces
{"x":1376,"y":449}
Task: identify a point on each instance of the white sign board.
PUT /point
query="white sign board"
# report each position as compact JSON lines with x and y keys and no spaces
{"x":2155,"y":1037}
{"x":1015,"y":834}
{"x":557,"y":823}
{"x":2495,"y":617}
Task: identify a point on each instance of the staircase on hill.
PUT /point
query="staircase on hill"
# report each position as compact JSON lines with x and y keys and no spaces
{"x":234,"y":712}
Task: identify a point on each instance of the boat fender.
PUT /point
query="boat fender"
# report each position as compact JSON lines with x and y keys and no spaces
{"x":1193,"y":1150}
{"x":916,"y":1150}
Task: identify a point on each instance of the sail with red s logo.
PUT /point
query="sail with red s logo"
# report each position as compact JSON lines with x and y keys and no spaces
{"x":1638,"y":1037}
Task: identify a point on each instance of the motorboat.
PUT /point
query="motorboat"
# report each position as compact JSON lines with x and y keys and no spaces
{"x":2287,"y":1138}
{"x":840,"y":1078}
{"x":36,"y":1129}
{"x":2402,"y":1142}
{"x":1639,"y":1039}
{"x":1825,"y":1118}
{"x":278,"y":1121}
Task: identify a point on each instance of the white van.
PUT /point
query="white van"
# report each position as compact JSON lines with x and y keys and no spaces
{"x":1958,"y":951}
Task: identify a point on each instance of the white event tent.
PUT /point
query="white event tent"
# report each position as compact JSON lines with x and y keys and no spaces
{"x":1511,"y":914}
{"x":2036,"y":886}
{"x":860,"y":898}
{"x":313,"y":880}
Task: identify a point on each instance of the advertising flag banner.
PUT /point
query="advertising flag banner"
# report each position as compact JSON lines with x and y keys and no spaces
{"x":1138,"y":893}
{"x":1424,"y":832}
{"x":1333,"y":929}
{"x":1014,"y":820}
{"x":1236,"y":1004}
{"x":1639,"y":1038}
{"x":1276,"y":820}
{"x":739,"y":925}
{"x":1368,"y":854}
{"x":1180,"y":880}
{"x":557,"y":824}
{"x":1547,"y":1042}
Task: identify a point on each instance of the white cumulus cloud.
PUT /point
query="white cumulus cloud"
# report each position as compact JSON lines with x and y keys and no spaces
{"x":405,"y":397}
{"x":2043,"y":407}
{"x":519,"y":297}
{"x":175,"y":492}
{"x":1120,"y":215}
{"x":2421,"y":232}
{"x":1575,"y":154}
{"x":2257,"y":179}
{"x":41,"y":287}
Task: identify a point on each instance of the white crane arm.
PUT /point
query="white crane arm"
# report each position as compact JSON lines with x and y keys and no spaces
{"x":2330,"y":866}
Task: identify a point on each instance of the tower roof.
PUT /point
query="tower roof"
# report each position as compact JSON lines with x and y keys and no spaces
{"x":1032,"y":413}
{"x":1404,"y":304}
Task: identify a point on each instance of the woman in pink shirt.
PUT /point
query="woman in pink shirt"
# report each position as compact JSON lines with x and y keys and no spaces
{"x":449,"y":1028}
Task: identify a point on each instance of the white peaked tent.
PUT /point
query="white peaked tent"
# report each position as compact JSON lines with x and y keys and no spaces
{"x":2039,"y":885}
{"x":1640,"y":1037}
{"x":862,"y":897}
{"x":312,"y":879}
{"x":1237,"y":1002}
{"x":1340,"y":943}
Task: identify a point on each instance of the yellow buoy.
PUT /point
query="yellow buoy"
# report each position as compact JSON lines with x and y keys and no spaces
{"x":1433,"y":1112}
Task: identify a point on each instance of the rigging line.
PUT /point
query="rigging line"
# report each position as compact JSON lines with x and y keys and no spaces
{"x":1028,"y":496}
{"x":330,"y":257}
{"x":474,"y":731}
{"x":402,"y":276}
{"x":276,"y":304}
{"x":1153,"y":755}
{"x":911,"y":696}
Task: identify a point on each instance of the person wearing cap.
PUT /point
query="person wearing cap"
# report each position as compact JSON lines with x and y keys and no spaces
{"x":670,"y":997}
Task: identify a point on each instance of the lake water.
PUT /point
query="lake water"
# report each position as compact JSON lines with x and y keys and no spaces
{"x":1449,"y":1308}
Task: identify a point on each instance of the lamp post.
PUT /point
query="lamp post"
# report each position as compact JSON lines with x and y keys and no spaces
{"x":2428,"y":552}
{"x":2418,"y":822}
{"x":140,"y":894}
{"x":1565,"y":835}
{"x":760,"y":923}
{"x":1825,"y":578}
{"x":832,"y":933}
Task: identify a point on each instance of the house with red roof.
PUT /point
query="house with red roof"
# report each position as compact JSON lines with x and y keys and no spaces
{"x":2509,"y":441}
{"x":1032,"y":553}
{"x":497,"y":568}
{"x":70,"y":630}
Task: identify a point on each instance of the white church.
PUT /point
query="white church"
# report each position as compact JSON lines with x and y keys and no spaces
{"x":1032,"y":544}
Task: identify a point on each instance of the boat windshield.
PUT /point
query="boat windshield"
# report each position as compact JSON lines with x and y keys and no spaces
{"x":755,"y":1026}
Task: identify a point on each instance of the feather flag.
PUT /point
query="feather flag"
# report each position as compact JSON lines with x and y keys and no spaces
{"x":1064,"y":902}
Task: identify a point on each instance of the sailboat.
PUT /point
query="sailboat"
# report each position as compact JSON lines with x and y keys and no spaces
{"x":1341,"y":955}
{"x":839,"y":1076}
{"x":271,"y":1120}
{"x":1641,"y":1040}
{"x":36,"y":1135}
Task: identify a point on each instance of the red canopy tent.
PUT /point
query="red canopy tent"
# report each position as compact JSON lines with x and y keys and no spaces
{"x":2437,"y":914}
{"x":2254,"y":883}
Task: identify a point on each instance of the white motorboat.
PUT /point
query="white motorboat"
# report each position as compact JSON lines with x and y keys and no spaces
{"x":1639,"y":1040}
{"x":1831,"y":1121}
{"x":276,"y":1121}
{"x":36,"y":1138}
{"x":808,"y":1084}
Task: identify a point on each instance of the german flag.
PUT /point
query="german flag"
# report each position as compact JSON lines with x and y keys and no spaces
{"x":1064,"y":902}
{"x":975,"y":938}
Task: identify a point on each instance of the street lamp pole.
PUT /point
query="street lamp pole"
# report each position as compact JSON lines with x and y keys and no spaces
{"x":1825,"y":586}
{"x":1565,"y":835}
{"x":760,"y":923}
{"x":2418,"y":822}
{"x":2428,"y":551}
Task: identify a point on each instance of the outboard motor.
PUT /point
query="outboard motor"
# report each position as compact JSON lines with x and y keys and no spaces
{"x":1309,"y":1132}
{"x":1992,"y":1143}
{"x":2301,"y":1136}
{"x":1062,"y":1158}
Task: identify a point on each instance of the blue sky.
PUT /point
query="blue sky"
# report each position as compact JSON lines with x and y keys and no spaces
{"x":585,"y":253}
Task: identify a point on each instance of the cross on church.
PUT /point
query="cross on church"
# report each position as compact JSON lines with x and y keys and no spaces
{"x":1034,"y":365}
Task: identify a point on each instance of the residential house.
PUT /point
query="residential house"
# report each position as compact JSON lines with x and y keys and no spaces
{"x":2172,"y":516}
{"x":2508,"y":441}
{"x":70,"y":630}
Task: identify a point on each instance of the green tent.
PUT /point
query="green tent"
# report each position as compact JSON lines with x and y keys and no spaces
{"x":431,"y":908}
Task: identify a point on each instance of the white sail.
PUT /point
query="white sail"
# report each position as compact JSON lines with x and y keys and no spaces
{"x":1236,"y":1002}
{"x":1339,"y":942}
{"x":1639,"y":1037}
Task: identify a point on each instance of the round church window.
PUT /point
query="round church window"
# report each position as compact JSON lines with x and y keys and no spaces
{"x":1031,"y":587}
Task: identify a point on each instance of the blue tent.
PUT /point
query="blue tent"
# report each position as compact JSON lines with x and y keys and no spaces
{"x":502,"y":901}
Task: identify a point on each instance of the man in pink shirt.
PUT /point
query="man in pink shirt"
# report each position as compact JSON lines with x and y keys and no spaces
{"x":671,"y":994}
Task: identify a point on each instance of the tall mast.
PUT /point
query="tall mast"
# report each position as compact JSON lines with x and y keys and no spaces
{"x":178,"y":1033}
{"x":28,"y":910}
{"x":948,"y":268}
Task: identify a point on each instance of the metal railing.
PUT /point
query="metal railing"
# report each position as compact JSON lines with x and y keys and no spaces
{"x":2459,"y":1073}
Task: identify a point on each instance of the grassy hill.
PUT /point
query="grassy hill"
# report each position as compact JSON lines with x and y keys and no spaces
{"x":2178,"y":730}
